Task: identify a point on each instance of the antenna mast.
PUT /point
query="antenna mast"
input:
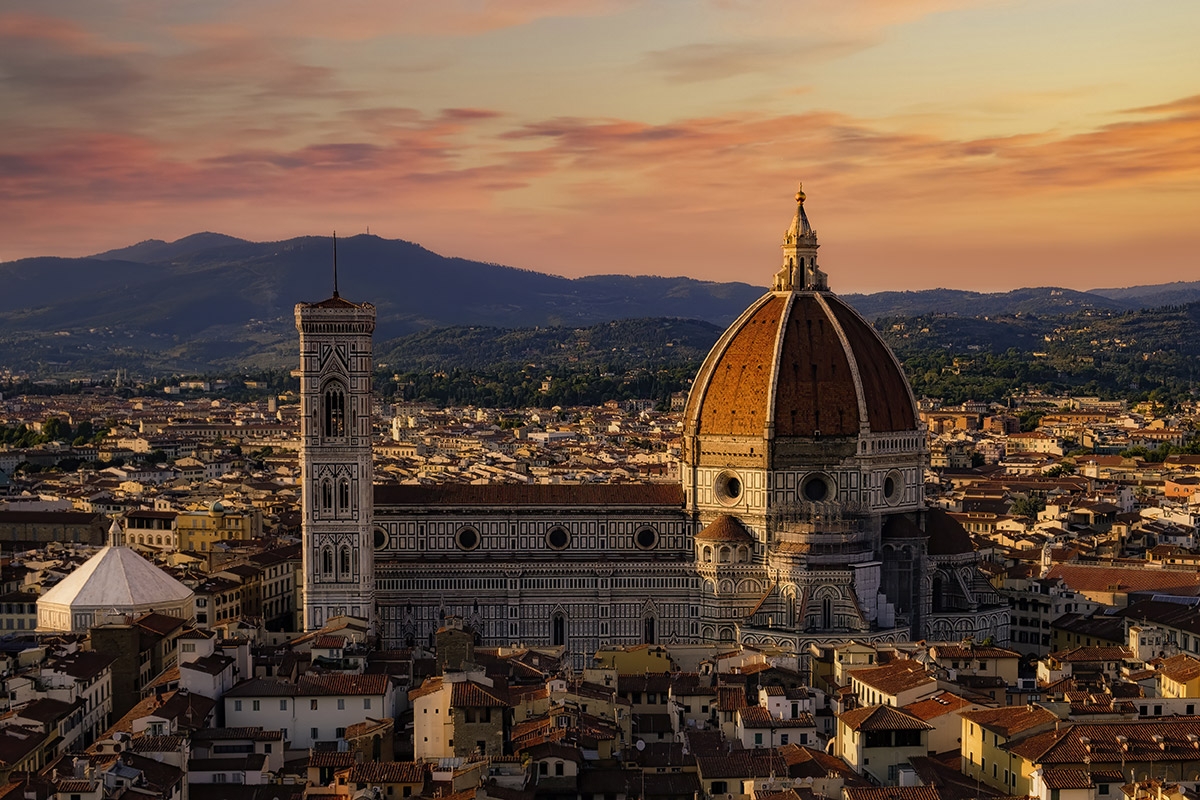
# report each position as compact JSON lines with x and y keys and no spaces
{"x":335,"y":288}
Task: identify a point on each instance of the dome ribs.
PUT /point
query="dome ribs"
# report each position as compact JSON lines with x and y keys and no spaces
{"x":816,"y":392}
{"x":738,"y":392}
{"x":888,"y":400}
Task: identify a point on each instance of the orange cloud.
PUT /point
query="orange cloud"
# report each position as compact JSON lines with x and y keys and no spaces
{"x":369,"y":19}
{"x":578,"y":195}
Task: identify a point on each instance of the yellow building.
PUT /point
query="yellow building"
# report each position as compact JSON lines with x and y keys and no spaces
{"x":876,"y":741}
{"x":984,"y":736}
{"x":634,"y":659}
{"x":1179,"y":676}
{"x":199,"y":530}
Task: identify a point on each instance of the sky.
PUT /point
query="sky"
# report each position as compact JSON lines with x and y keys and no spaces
{"x":981,"y":145}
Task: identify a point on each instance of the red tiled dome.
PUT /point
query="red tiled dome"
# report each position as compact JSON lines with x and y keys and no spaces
{"x":800,"y":364}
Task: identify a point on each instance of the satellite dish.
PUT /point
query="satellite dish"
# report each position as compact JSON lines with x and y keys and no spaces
{"x":641,"y":745}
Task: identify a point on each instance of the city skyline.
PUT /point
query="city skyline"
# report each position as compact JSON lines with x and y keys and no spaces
{"x":985,"y":145}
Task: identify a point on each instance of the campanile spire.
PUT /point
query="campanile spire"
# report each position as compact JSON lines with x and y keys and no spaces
{"x":799,"y":271}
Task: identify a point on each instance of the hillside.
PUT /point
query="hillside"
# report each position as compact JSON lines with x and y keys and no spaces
{"x":621,"y":344}
{"x":214,"y":303}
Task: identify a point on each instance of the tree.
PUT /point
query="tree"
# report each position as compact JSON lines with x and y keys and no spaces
{"x":56,"y":430}
{"x":1026,"y":506}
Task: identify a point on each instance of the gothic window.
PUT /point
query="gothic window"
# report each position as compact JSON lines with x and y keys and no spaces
{"x":327,"y":561}
{"x":559,"y":633}
{"x":344,"y":495}
{"x":649,"y":625}
{"x":326,"y":495}
{"x":345,"y":561}
{"x":334,"y":410}
{"x":827,"y":613}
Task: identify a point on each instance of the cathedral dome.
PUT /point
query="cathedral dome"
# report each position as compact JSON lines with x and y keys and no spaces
{"x":799,"y":364}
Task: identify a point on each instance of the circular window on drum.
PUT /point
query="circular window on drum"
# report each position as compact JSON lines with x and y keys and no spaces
{"x":467,"y":538}
{"x":646,"y":538}
{"x":816,"y":488}
{"x":557,"y":538}
{"x":380,"y":537}
{"x":893,"y":487}
{"x":728,"y":488}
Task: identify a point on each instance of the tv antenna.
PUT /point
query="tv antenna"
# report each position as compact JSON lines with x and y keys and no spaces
{"x":335,"y":288}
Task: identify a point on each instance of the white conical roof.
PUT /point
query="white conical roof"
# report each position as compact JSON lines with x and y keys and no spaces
{"x":116,"y":577}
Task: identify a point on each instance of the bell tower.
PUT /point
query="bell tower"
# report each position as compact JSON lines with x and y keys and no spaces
{"x":335,"y":459}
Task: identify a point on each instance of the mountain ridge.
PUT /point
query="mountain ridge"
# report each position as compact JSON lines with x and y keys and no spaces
{"x":212,"y":301}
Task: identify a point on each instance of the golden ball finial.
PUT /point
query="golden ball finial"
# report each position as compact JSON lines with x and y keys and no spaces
{"x":800,"y":194}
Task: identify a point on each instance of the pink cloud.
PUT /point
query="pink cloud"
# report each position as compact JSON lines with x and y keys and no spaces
{"x":368,"y":19}
{"x":694,"y":196}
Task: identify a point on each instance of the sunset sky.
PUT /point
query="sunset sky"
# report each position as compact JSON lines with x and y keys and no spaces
{"x":976,"y":145}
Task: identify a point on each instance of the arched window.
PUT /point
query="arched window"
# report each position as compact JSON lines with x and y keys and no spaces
{"x":707,"y":554}
{"x":827,"y":613}
{"x":725,"y":555}
{"x":345,"y":559}
{"x":326,"y":495}
{"x":649,"y":629}
{"x":344,"y":495}
{"x":743,"y":555}
{"x":327,"y":561}
{"x":334,"y":421}
{"x":558,"y":634}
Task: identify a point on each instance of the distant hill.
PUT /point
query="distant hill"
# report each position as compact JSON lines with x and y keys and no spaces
{"x":153,"y":251}
{"x":648,"y":342}
{"x":1163,"y":294}
{"x":1039,"y":300}
{"x":211,"y":302}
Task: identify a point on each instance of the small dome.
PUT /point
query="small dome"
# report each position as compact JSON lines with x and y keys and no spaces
{"x":725,"y":528}
{"x":216,"y":507}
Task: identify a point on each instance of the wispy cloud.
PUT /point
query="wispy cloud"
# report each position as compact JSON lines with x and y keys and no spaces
{"x":706,"y":61}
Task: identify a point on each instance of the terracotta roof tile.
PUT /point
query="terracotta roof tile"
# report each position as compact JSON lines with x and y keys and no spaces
{"x":387,"y":772}
{"x":1086,"y":578}
{"x":535,"y":494}
{"x":882,"y":718}
{"x":725,"y":528}
{"x":895,"y":677}
{"x":891,"y":793}
{"x":1011,"y":720}
{"x":466,"y":694}
{"x":939,"y":705}
{"x":1180,"y":668}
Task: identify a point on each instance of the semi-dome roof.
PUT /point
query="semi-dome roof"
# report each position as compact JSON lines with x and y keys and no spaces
{"x":800,"y":362}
